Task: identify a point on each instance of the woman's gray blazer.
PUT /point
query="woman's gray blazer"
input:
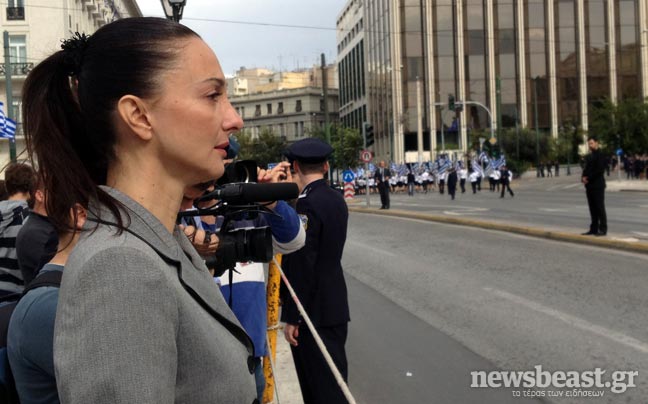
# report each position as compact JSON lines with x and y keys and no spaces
{"x":140,"y":320}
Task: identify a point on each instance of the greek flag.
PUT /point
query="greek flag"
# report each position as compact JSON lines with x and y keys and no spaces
{"x":9,"y":131}
{"x":372,"y":168}
{"x":490,"y":167}
{"x":444,"y":165}
{"x":499,"y":163}
{"x":3,"y":118}
{"x":477,"y":168}
{"x":483,"y":158}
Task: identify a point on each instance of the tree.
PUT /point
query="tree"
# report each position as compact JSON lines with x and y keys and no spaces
{"x":621,"y":125}
{"x":267,"y":148}
{"x":346,"y":143}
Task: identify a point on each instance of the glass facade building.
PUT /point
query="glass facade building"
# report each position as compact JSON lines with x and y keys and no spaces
{"x":510,"y":57}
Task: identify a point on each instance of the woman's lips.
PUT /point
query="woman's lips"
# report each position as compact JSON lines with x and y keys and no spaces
{"x":222,"y":148}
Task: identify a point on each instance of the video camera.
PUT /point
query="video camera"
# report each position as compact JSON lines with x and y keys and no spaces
{"x":240,"y":197}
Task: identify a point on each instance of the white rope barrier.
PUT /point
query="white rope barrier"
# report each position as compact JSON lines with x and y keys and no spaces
{"x":318,"y":340}
{"x":276,"y":385}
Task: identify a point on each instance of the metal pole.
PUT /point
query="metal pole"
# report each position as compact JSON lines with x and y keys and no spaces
{"x":364,"y":137}
{"x":498,"y":93}
{"x":442,"y":133}
{"x":419,"y":122}
{"x":517,"y":136}
{"x":326,"y":115}
{"x":535,"y":113}
{"x":10,"y":111}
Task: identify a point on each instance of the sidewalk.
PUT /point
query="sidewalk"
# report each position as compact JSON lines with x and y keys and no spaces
{"x":285,"y":375}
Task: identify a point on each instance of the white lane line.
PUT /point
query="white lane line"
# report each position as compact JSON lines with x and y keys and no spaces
{"x":574,"y":321}
{"x":553,"y":210}
{"x":370,"y":247}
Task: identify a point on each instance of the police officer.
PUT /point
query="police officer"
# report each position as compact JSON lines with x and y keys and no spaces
{"x":315,"y":272}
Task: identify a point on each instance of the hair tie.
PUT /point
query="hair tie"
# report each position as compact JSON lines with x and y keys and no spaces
{"x":74,"y":50}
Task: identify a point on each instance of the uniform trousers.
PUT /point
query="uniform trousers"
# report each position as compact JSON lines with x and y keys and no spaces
{"x":596,"y":203}
{"x":318,"y":385}
{"x":383,"y":188}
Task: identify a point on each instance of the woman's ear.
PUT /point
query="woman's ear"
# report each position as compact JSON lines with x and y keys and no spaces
{"x":134,"y":114}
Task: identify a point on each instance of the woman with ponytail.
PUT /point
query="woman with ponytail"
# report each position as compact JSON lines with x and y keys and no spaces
{"x":121,"y":122}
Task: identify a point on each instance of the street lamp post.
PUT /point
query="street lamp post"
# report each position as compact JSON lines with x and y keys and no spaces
{"x":535,"y":116}
{"x":173,"y":9}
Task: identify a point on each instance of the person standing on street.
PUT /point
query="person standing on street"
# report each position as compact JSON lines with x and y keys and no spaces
{"x":452,"y":183}
{"x":315,"y":272}
{"x":382,"y":177}
{"x":463,"y":175}
{"x":594,"y":181}
{"x":505,"y":179}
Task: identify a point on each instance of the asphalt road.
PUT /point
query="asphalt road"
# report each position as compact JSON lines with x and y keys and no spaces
{"x":432,"y":302}
{"x":549,"y":203}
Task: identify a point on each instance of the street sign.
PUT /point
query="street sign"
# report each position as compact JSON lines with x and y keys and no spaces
{"x":348,"y":176}
{"x":365,"y":156}
{"x":619,"y":152}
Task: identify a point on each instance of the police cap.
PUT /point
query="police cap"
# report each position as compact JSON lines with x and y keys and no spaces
{"x":310,"y":151}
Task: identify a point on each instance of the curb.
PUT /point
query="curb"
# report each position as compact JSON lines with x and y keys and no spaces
{"x":637,"y":247}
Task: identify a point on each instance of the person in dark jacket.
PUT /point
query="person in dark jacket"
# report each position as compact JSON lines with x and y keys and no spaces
{"x":315,"y":272}
{"x":505,"y":179}
{"x":594,"y":182}
{"x":452,"y":183}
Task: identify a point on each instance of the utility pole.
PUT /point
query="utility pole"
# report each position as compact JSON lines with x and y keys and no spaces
{"x":326,"y":114}
{"x":535,"y":115}
{"x":419,"y":122}
{"x":10,"y":111}
{"x":498,"y":95}
{"x":517,"y":136}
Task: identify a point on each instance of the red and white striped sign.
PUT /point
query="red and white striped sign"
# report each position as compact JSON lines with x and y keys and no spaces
{"x":348,"y":190}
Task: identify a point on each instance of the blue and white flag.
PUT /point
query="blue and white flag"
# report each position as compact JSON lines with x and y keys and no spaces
{"x":444,"y":165}
{"x":489,"y":168}
{"x":483,"y":158}
{"x":3,"y":118}
{"x":10,"y":130}
{"x":477,"y":168}
{"x":372,"y":168}
{"x":499,"y":163}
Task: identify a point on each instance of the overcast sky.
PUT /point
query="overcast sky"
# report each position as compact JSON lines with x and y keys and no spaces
{"x":255,"y":45}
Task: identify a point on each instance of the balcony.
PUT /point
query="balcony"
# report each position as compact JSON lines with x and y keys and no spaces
{"x":15,"y":13}
{"x":17,"y":69}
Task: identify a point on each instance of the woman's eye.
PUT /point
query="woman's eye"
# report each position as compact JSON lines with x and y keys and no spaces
{"x":214,"y":96}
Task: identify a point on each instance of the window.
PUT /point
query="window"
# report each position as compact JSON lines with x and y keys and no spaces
{"x":321,"y":104}
{"x":280,"y":108}
{"x":242,"y":112}
{"x":257,"y":110}
{"x":298,"y":107}
{"x":18,"y":48}
{"x":15,"y":10}
{"x":269,"y":108}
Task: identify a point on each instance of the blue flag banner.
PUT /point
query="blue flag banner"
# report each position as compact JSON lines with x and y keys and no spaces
{"x":483,"y":158}
{"x":10,"y":130}
{"x":477,"y":168}
{"x":3,"y":118}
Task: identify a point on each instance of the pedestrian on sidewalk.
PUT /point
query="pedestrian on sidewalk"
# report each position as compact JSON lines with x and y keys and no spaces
{"x":594,"y":181}
{"x":549,"y":174}
{"x":315,"y":272}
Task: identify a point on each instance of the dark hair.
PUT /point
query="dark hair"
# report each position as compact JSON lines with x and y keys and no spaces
{"x":20,"y":177}
{"x":3,"y":191}
{"x":312,"y":168}
{"x":69,"y":100}
{"x":592,"y":137}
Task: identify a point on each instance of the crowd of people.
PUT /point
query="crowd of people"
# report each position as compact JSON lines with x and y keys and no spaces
{"x":414,"y":178}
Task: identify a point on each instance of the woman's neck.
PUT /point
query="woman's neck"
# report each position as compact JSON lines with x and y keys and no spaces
{"x":159,"y":196}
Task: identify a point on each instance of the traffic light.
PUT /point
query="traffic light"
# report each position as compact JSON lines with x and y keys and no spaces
{"x":369,"y":134}
{"x":451,"y":102}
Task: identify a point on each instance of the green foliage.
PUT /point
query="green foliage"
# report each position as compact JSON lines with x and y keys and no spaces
{"x":346,"y":143}
{"x":621,"y":125}
{"x":268,"y":148}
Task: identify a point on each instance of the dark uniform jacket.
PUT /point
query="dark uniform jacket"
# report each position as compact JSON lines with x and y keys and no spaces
{"x":594,"y":170}
{"x":315,"y":271}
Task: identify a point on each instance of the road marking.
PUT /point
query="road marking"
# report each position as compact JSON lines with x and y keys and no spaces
{"x":553,"y":210}
{"x":626,"y":239}
{"x":370,"y":247}
{"x":573,"y":321}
